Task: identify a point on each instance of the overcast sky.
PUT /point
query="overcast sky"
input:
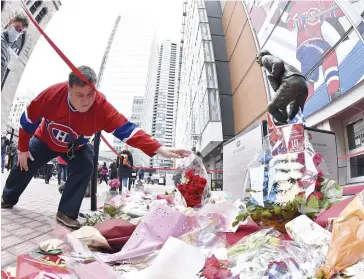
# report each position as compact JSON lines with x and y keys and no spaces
{"x":81,"y":29}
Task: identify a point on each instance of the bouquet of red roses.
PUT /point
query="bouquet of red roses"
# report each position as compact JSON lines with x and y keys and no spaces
{"x":194,"y":186}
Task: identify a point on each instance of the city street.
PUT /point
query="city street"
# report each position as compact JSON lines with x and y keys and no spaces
{"x":29,"y":222}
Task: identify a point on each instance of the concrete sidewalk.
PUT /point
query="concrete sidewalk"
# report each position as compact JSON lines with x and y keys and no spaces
{"x":29,"y":222}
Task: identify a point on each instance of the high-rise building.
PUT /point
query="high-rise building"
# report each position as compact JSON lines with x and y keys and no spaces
{"x":137,"y":117}
{"x":147,"y":116}
{"x":22,"y":48}
{"x":205,"y":112}
{"x":125,"y":65}
{"x":16,"y":110}
{"x":164,"y":107}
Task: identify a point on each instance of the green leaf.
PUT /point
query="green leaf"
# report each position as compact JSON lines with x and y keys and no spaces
{"x":235,"y":223}
{"x":277,"y":210}
{"x":313,"y":202}
{"x":324,"y":203}
{"x":266,"y":214}
{"x":239,"y":217}
{"x":166,"y":193}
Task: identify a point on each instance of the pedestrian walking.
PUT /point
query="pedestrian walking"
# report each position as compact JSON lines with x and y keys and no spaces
{"x":141,"y":174}
{"x":124,"y":163}
{"x":104,"y":172}
{"x":113,"y":170}
{"x":60,"y":121}
{"x":48,"y":171}
{"x":4,"y":147}
{"x":62,"y":168}
{"x":12,"y":155}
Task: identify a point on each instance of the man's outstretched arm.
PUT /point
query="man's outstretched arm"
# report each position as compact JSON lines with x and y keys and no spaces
{"x":127,"y":131}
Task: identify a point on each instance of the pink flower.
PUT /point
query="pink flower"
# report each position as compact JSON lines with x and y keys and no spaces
{"x":317,"y":158}
{"x":301,"y":158}
{"x":168,"y":198}
{"x":114,"y":183}
{"x":215,"y":269}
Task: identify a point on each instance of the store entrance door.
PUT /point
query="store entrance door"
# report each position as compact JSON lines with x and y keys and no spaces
{"x":355,"y":147}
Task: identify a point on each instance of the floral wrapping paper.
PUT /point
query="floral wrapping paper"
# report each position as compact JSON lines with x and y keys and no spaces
{"x":307,"y":233}
{"x":263,"y":255}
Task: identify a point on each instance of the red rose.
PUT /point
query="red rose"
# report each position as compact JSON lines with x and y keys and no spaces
{"x":303,"y":170}
{"x":200,"y":190}
{"x":300,"y":193}
{"x":193,"y":183}
{"x":317,"y":184}
{"x":202,"y":182}
{"x":317,"y":194}
{"x":195,"y":178}
{"x":189,"y":174}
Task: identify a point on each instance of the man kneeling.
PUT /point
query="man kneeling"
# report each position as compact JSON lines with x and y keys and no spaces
{"x":62,"y":119}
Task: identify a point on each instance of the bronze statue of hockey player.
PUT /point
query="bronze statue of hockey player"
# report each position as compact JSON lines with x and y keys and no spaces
{"x":288,"y":83}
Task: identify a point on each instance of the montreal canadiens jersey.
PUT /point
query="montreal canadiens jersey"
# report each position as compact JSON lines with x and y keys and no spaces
{"x":52,"y":119}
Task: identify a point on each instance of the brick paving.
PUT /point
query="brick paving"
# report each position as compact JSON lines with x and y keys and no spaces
{"x":30,"y":221}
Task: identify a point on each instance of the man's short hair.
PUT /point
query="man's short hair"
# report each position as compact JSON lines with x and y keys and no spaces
{"x":87,"y":72}
{"x":22,"y":18}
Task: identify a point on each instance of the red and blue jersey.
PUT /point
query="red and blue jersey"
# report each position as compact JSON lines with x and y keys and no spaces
{"x":51,"y":118}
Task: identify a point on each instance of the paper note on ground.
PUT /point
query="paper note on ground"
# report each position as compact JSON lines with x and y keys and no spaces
{"x":176,"y":260}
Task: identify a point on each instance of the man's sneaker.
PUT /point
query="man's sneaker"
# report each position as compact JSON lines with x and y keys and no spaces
{"x":61,"y":188}
{"x":67,"y":221}
{"x":4,"y":204}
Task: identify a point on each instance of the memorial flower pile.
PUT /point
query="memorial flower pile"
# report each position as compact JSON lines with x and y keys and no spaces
{"x":287,"y":179}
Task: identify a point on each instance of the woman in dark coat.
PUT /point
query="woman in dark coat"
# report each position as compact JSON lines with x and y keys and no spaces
{"x":113,"y":170}
{"x":125,"y":167}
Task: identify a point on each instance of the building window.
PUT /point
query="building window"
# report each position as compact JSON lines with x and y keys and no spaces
{"x":2,"y":4}
{"x":43,"y":12}
{"x":18,"y":45}
{"x":35,"y":6}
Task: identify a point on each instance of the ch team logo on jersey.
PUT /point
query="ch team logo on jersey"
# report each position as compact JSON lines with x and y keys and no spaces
{"x":60,"y":134}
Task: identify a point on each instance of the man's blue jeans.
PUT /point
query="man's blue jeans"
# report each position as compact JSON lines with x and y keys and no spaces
{"x":81,"y":168}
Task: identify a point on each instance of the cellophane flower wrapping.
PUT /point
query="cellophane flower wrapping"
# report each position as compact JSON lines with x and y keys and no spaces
{"x":152,"y":232}
{"x":287,"y":178}
{"x":194,"y":184}
{"x":347,"y":245}
{"x":264,"y":255}
{"x":29,"y":267}
{"x":79,"y":260}
{"x":113,"y":206}
{"x":207,"y":233}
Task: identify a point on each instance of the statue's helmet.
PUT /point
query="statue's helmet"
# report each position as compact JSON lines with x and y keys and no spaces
{"x":262,"y":53}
